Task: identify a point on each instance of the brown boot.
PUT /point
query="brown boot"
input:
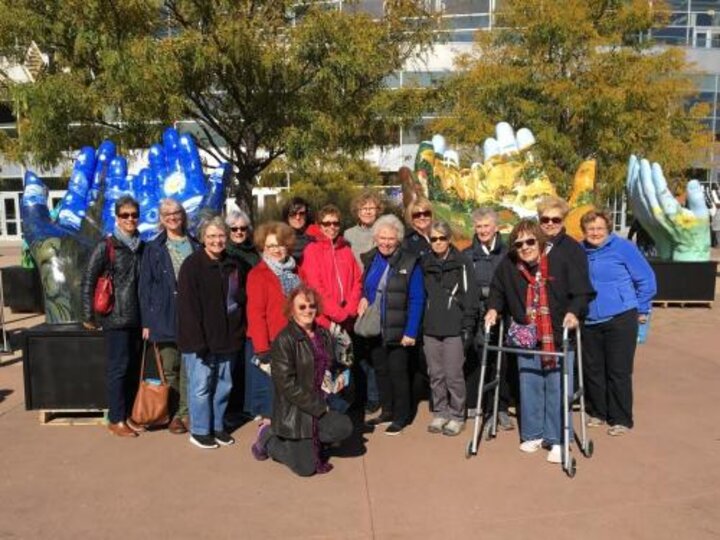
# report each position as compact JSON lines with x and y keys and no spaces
{"x":121,"y":430}
{"x":177,"y":426}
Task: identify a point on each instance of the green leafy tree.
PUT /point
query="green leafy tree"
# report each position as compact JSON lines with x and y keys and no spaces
{"x":260,"y":79}
{"x":580,"y":76}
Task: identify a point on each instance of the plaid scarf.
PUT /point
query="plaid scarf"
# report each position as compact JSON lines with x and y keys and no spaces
{"x":537,"y":309}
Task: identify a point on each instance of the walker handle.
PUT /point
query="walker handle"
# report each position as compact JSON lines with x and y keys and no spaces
{"x":566,"y":333}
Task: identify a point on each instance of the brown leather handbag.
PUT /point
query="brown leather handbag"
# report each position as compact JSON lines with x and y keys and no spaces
{"x":104,"y":297}
{"x":151,"y":402}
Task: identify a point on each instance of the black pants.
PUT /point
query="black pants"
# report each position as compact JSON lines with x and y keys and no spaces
{"x":393,"y":379}
{"x":299,"y":454}
{"x":609,"y":349}
{"x":122,"y":371}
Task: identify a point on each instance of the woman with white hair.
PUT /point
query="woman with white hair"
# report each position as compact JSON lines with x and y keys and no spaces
{"x":159,"y":270}
{"x":393,"y":287}
{"x":240,"y":245}
{"x":211,"y":331}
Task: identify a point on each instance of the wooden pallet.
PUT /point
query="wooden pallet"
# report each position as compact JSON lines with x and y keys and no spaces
{"x":683,"y":303}
{"x":72,"y":417}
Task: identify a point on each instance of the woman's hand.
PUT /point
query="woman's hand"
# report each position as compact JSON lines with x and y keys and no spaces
{"x":407,"y":341}
{"x":362,"y":306}
{"x":89,"y":325}
{"x":642,"y":318}
{"x":491,"y":317}
{"x":570,"y":321}
{"x":146,"y":333}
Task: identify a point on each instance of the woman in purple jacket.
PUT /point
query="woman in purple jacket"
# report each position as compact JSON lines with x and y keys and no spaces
{"x":625,"y":285}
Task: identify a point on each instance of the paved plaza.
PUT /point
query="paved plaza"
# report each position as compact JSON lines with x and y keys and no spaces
{"x":660,"y":481}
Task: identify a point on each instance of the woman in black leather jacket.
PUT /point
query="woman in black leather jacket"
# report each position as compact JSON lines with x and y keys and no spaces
{"x":305,"y":375}
{"x":122,"y":325}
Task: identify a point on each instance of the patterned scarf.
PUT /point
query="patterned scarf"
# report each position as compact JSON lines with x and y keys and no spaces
{"x":285,"y":271}
{"x":537,"y":309}
{"x":132,"y":242}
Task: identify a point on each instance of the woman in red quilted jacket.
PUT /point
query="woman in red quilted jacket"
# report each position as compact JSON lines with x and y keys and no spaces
{"x":330,"y":268}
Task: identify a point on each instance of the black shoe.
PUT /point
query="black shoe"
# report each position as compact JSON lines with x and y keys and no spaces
{"x":203,"y":441}
{"x":379,"y":420}
{"x":224,"y":438}
{"x":372,"y":407}
{"x":394,"y":429}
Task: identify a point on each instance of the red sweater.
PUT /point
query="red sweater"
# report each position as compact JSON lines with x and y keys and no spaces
{"x":265,"y":301}
{"x":334,"y":272}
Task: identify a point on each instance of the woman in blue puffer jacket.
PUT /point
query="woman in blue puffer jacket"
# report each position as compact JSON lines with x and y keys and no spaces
{"x":625,"y":285}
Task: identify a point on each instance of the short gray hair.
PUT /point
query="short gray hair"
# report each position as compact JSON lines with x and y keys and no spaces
{"x":168,"y":203}
{"x":484,"y":212}
{"x":389,"y":221}
{"x":126,"y":200}
{"x":443,"y":227}
{"x":236,"y":215}
{"x":215,"y":221}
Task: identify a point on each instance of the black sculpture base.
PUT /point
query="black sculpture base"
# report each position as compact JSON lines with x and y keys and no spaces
{"x":685,"y":282}
{"x":23,"y":289}
{"x":64,"y":368}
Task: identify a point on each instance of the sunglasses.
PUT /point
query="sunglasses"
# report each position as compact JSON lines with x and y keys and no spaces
{"x":241,"y":228}
{"x":303,"y":307}
{"x":128,"y":215}
{"x":298,"y":213}
{"x":423,"y":213}
{"x":530,"y":242}
{"x":554,"y":220}
{"x":330,"y":223}
{"x":434,"y":239}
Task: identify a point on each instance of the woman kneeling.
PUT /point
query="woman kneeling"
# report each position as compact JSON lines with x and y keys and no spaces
{"x":305,"y":375}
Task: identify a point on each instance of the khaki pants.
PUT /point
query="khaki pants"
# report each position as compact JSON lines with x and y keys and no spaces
{"x":176,"y":378}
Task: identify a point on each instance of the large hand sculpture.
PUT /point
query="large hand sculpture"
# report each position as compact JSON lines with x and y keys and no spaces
{"x":61,"y":247}
{"x":680,"y":234}
{"x":510,"y":176}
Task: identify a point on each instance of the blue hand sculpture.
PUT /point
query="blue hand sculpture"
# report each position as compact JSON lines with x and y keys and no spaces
{"x":680,"y":234}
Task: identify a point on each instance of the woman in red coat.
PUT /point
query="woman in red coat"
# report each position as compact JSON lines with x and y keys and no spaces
{"x":330,"y":268}
{"x":268,"y":284}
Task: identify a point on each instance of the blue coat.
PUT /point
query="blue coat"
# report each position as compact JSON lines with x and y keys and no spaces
{"x":622,"y":278}
{"x":158,"y":290}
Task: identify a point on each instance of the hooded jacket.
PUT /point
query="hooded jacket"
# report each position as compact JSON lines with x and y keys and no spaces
{"x":484,"y":264}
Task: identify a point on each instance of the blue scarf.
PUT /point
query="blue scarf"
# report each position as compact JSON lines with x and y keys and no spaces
{"x":132,"y":242}
{"x":285,"y":271}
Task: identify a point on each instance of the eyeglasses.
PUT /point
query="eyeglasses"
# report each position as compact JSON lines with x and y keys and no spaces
{"x":330,"y":223}
{"x":368,"y":209}
{"x":241,"y":228}
{"x":298,"y":213}
{"x":275,"y":246}
{"x":422,"y":213}
{"x":128,"y":215}
{"x":172,"y":214}
{"x":434,"y":239}
{"x":529,"y":242}
{"x":303,"y":307}
{"x":554,"y":220}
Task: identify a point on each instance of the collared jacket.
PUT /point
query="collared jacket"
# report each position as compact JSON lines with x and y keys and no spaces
{"x":331,"y":269}
{"x":484,"y":264}
{"x":125,"y":275}
{"x":158,"y":289}
{"x":416,"y":243}
{"x":622,"y":278}
{"x":210,"y":305}
{"x":292,"y":363}
{"x":451,"y":295}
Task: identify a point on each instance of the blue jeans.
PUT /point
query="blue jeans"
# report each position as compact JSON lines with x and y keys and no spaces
{"x":541,"y":406}
{"x":373,"y":394}
{"x":258,"y":387}
{"x":209,"y":384}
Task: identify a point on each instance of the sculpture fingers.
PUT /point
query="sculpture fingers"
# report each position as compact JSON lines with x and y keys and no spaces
{"x":103,"y":157}
{"x":696,"y":201}
{"x":505,"y":136}
{"x":192,"y":192}
{"x":146,"y":194}
{"x":36,"y":221}
{"x":74,"y":203}
{"x":668,"y":202}
{"x":116,"y":185}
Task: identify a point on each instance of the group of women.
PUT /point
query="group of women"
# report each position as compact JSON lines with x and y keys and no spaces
{"x":289,"y":298}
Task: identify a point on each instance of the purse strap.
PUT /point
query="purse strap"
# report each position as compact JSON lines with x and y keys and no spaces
{"x":110,"y":252}
{"x":158,"y":363}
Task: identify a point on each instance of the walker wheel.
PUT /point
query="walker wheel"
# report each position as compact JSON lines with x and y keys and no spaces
{"x":572,"y":469}
{"x":588,"y":451}
{"x":469,"y":451}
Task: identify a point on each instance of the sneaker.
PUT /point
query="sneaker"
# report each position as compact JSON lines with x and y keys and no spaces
{"x":394,"y":429}
{"x":453,"y":428}
{"x":555,"y":454}
{"x":592,"y":421}
{"x":223,"y":438}
{"x":203,"y":441}
{"x":372,"y":407}
{"x":504,"y":421}
{"x":437,"y":425}
{"x":380,"y":420}
{"x":259,"y":448}
{"x":617,"y":430}
{"x":531,"y":446}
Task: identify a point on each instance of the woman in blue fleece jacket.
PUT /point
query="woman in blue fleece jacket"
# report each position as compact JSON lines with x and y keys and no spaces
{"x":625,"y":285}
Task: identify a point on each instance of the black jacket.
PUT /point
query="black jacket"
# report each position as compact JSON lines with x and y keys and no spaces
{"x":484,"y":264}
{"x":565,"y":250}
{"x":416,"y":243}
{"x":244,"y":253}
{"x":296,"y":402}
{"x":204,"y":324}
{"x":126,"y":270}
{"x":568,"y":292}
{"x":158,"y":289}
{"x":451,"y":304}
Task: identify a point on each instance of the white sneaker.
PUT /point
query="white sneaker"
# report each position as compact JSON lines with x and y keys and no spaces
{"x":437,"y":425}
{"x":531,"y":446}
{"x":555,"y":454}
